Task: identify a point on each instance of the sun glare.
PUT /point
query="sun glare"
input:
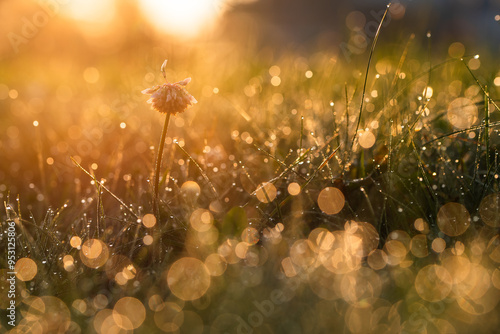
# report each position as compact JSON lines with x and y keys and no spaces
{"x":186,"y":17}
{"x":90,"y":11}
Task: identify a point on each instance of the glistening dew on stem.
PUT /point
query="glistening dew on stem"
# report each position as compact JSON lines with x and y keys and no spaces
{"x":170,"y":99}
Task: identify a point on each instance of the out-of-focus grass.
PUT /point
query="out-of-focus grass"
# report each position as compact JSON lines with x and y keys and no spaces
{"x":389,"y":252}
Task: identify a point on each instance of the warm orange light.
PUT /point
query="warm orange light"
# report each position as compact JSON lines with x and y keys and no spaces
{"x":94,"y":11}
{"x":186,"y":17}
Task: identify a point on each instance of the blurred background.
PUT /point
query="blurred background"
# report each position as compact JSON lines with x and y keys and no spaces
{"x":71,"y":71}
{"x":108,"y":26}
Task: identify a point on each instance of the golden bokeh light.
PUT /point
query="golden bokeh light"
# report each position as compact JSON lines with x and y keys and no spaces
{"x":383,"y":66}
{"x":361,"y":288}
{"x":458,"y":266}
{"x":357,"y":319}
{"x":266,"y":192}
{"x":401,"y":236}
{"x":209,"y":236}
{"x":366,"y":138}
{"x":26,"y":269}
{"x":377,"y":259}
{"x":94,"y":253}
{"x":495,"y":278}
{"x":418,"y":246}
{"x":241,"y":250}
{"x":119,"y":264}
{"x":50,"y":310}
{"x":345,"y":255}
{"x":367,"y":234}
{"x":155,"y":303}
{"x":494,"y":248}
{"x":320,"y":240}
{"x":190,"y":190}
{"x":100,"y":301}
{"x":216,"y":264}
{"x":149,"y":220}
{"x":274,"y":70}
{"x":458,"y":249}
{"x":68,"y":263}
{"x":301,"y":253}
{"x":489,"y":209}
{"x":294,"y":188}
{"x":396,"y":252}
{"x":476,"y":293}
{"x":91,"y":75}
{"x":80,"y":305}
{"x":104,"y":322}
{"x":325,"y":284}
{"x":201,"y":220}
{"x":331,"y":200}
{"x":482,"y":305}
{"x":75,"y":242}
{"x":462,"y":113}
{"x":148,"y":240}
{"x":188,"y":278}
{"x":276,"y":81}
{"x":288,"y":267}
{"x":427,"y":94}
{"x":250,"y":235}
{"x":433,"y":283}
{"x":421,"y":225}
{"x":474,"y":284}
{"x":456,"y":50}
{"x":216,"y":206}
{"x":474,"y":63}
{"x":129,"y":313}
{"x":255,"y":257}
{"x":453,"y":219}
{"x":438,"y":245}
{"x":169,"y":318}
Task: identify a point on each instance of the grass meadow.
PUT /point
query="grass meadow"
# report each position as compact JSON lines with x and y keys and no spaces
{"x":327,"y":189}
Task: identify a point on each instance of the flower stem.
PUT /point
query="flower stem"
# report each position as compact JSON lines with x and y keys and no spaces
{"x":156,"y":182}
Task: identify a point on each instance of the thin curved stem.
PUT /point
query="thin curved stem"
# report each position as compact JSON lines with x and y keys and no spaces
{"x":374,"y":43}
{"x":156,"y":182}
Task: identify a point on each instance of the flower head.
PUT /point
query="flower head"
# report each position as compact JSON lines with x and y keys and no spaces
{"x":170,"y":97}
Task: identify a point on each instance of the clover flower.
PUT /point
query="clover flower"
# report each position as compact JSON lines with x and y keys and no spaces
{"x":170,"y":97}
